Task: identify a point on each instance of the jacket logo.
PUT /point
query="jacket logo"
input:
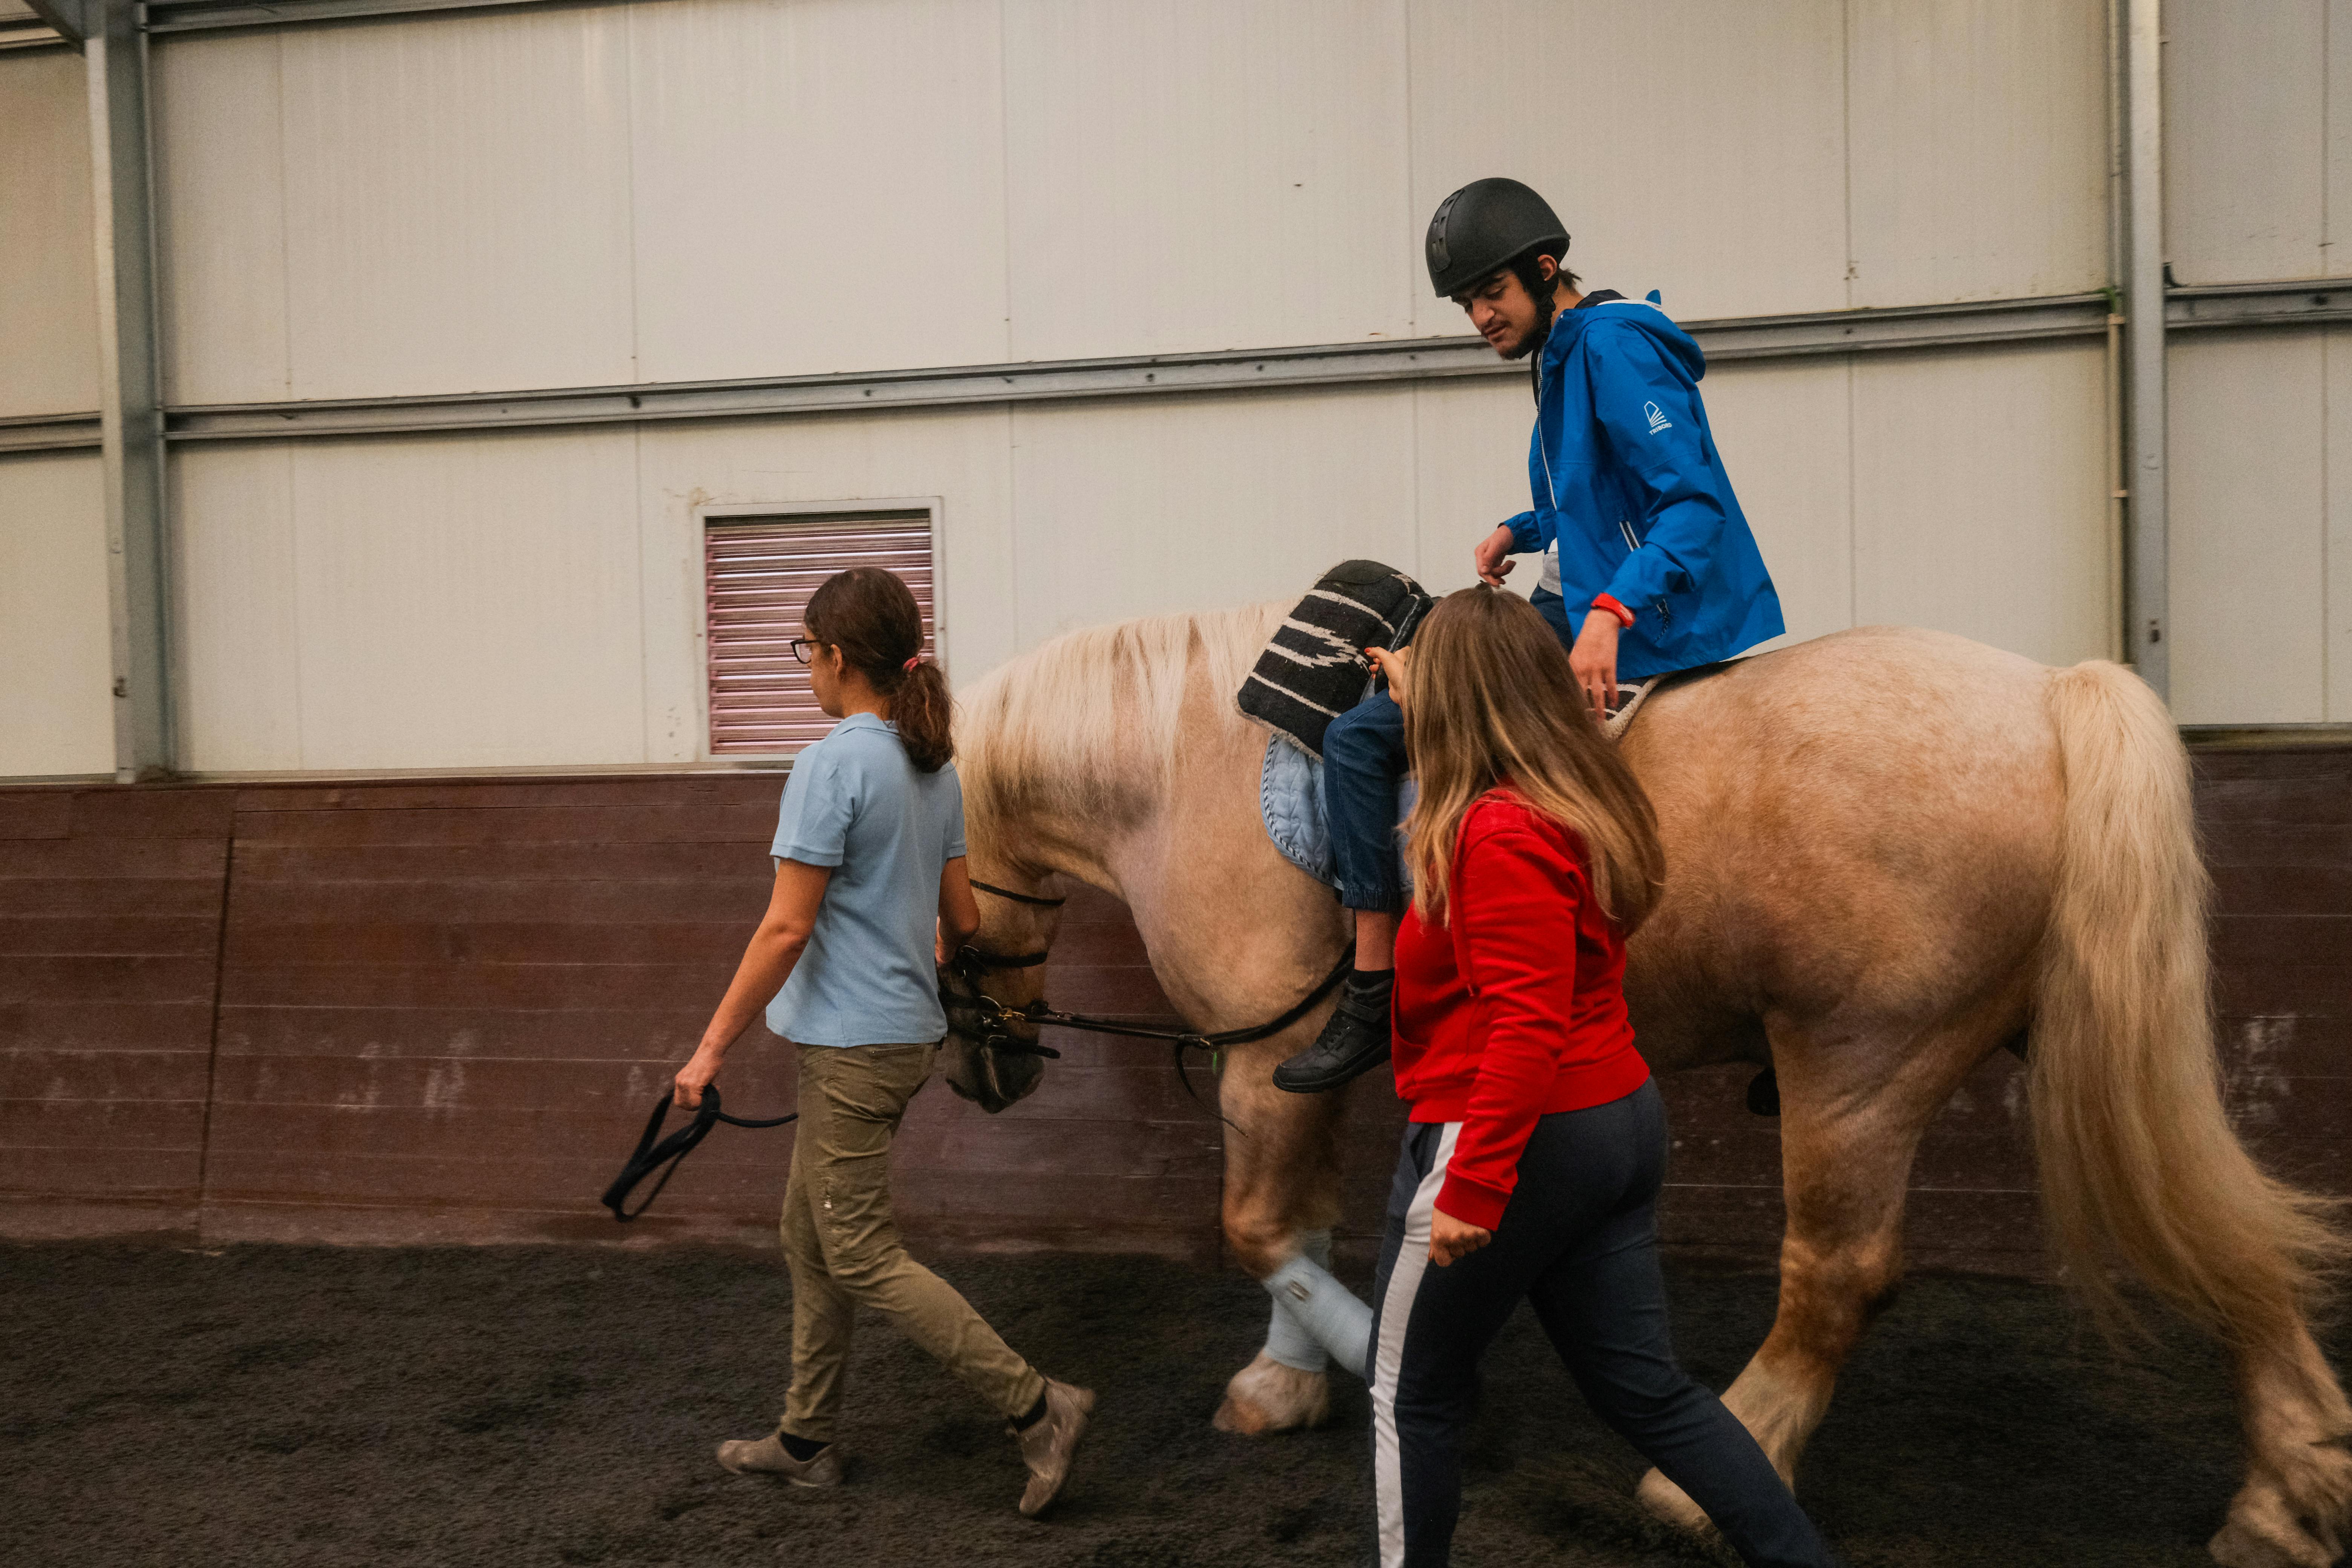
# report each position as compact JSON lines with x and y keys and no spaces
{"x":1658,"y":420}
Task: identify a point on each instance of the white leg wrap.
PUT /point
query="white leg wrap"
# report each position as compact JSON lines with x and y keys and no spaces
{"x":1287,"y":1340}
{"x":1326,"y":1309}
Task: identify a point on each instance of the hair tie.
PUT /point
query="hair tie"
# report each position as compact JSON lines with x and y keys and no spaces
{"x":912,"y":662}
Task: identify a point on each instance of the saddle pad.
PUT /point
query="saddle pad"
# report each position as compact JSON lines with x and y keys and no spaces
{"x":1314,"y":669}
{"x":1290,"y":797}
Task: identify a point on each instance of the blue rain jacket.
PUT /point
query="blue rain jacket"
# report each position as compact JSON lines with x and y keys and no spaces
{"x":1627,"y":481}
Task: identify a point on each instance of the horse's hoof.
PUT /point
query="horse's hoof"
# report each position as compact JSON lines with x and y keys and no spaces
{"x":1671,"y":1503}
{"x":2268,"y":1539}
{"x":1266,"y":1397}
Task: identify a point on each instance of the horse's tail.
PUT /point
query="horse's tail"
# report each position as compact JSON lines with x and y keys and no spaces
{"x":2138,"y":1159}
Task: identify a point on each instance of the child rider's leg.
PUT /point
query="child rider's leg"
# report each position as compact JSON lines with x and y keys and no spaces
{"x":1364,"y":759}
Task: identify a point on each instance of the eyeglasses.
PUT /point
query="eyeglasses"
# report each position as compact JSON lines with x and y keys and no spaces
{"x":801,"y":647}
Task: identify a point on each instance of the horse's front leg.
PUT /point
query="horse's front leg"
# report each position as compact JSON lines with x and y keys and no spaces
{"x":1845,"y":1155}
{"x":1282,"y":1198}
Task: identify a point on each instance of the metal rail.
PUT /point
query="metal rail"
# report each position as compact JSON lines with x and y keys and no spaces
{"x":51,"y":433}
{"x":1920,"y":329}
{"x":1423,"y":359}
{"x":209,"y":16}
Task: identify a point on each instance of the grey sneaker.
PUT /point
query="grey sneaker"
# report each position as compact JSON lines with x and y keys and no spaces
{"x":766,"y":1457}
{"x":1046,"y":1447}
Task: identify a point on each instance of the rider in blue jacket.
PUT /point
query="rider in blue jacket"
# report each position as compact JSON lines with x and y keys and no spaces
{"x":1648,"y":566}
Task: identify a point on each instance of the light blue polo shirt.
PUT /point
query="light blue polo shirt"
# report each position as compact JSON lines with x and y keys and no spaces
{"x":854,"y":802}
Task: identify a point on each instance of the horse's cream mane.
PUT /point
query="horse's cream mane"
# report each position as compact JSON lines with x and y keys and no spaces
{"x":1089,"y":722}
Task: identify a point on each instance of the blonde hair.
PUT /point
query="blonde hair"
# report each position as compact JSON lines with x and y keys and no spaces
{"x":1491,"y":703}
{"x":1087,"y":725}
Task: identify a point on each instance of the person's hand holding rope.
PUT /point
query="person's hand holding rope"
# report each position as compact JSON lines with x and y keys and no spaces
{"x":1392,"y":663}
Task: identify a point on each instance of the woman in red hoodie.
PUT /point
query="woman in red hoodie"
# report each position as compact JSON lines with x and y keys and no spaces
{"x":1538,"y":1143}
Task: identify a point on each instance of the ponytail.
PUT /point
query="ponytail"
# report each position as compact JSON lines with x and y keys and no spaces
{"x":871,"y":615}
{"x":925,"y":715}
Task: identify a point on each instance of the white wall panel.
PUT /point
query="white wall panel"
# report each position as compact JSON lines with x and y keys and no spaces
{"x":48,"y":294}
{"x":2336,"y":202}
{"x":469,"y":602}
{"x":1979,"y":505}
{"x":819,"y":186}
{"x":220,"y":201}
{"x":1977,"y":132}
{"x":2248,"y":428}
{"x":1201,"y":503}
{"x":964,"y":459}
{"x":1689,"y":145}
{"x":1470,"y":472}
{"x":2245,"y":105}
{"x":236,"y":636}
{"x":1217,"y":174}
{"x":457,"y":203}
{"x":56,"y":669}
{"x":1785,"y":431}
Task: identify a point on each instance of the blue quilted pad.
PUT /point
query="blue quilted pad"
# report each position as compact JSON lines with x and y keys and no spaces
{"x":1290,"y":797}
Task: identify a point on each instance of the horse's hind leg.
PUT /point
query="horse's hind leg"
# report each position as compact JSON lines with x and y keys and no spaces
{"x":2295,"y":1509}
{"x":1845,"y":1158}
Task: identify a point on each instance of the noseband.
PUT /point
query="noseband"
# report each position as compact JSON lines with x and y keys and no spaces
{"x":970,"y":964}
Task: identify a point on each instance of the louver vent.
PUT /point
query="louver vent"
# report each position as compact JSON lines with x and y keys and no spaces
{"x":758,"y":574}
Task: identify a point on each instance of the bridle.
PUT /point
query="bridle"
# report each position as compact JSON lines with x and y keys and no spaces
{"x":994,"y":1019}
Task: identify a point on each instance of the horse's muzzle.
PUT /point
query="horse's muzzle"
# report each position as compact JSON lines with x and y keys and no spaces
{"x":989,"y":1077}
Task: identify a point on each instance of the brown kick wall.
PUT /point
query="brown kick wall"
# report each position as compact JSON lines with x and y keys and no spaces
{"x":404,"y":1012}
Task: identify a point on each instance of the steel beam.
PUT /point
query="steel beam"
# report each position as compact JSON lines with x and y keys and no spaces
{"x":2146,"y":594}
{"x":1340,"y":365}
{"x":2291,"y":302}
{"x":68,"y":18}
{"x":130,"y":406}
{"x":51,"y":433}
{"x":205,"y":16}
{"x":23,"y":30}
{"x":2295,"y":302}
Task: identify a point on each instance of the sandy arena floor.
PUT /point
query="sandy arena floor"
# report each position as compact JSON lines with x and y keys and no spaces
{"x":515,"y":1406}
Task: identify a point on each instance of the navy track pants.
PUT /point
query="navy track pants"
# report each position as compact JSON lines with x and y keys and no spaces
{"x":1579,"y":1242}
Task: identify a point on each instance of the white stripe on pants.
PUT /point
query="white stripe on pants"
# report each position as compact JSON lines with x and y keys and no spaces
{"x":1396,"y":1311}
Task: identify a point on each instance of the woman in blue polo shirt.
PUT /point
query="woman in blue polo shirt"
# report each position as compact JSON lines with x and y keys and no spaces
{"x":869,"y":853}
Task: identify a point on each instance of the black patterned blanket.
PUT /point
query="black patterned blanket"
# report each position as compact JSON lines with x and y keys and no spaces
{"x":1315,"y":669}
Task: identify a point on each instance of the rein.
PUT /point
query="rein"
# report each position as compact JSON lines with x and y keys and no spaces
{"x":970,"y":964}
{"x":664,"y":1156}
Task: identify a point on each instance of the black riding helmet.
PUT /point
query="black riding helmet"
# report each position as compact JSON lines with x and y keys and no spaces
{"x":1485,"y":226}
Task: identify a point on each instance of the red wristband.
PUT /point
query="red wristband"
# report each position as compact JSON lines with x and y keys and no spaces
{"x":1624,"y":616}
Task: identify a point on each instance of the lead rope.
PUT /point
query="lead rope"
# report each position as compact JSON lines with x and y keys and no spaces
{"x":664,"y":1156}
{"x":972,"y":963}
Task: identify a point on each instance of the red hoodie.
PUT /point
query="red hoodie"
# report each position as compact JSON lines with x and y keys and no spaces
{"x":1516,"y":1008}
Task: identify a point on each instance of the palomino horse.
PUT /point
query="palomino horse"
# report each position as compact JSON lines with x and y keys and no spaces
{"x":1890,"y":853}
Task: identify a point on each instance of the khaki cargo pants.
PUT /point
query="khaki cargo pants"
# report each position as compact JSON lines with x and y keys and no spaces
{"x":844,"y":1249}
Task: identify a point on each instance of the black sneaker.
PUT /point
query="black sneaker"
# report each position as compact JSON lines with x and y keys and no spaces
{"x":1354,"y":1041}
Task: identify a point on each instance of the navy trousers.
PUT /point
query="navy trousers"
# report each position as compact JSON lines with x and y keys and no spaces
{"x":1579,"y":1242}
{"x":1364,"y":759}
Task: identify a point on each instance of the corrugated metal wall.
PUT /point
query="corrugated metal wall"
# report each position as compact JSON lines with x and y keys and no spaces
{"x":720,"y":188}
{"x":55,"y":712}
{"x":2258,"y":149}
